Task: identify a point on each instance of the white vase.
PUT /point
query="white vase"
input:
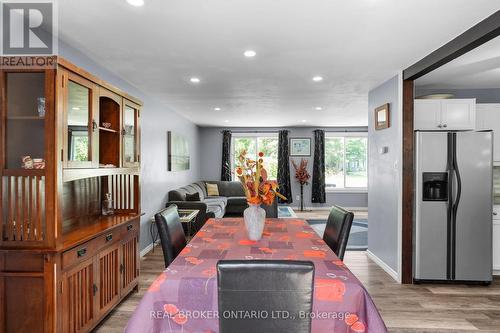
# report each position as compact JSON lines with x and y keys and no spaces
{"x":255,"y":218}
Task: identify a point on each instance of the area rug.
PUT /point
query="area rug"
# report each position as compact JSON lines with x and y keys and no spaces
{"x":358,"y":238}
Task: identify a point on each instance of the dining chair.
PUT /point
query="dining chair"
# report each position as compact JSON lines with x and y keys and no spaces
{"x":337,"y":230}
{"x":172,"y":236}
{"x":275,"y":290}
{"x":271,"y":210}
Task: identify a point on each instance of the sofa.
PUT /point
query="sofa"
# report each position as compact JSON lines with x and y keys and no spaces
{"x":231,"y":201}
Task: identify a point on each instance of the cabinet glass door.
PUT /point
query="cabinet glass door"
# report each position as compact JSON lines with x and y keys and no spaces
{"x":25,"y":119}
{"x":130,"y":149}
{"x":80,"y":125}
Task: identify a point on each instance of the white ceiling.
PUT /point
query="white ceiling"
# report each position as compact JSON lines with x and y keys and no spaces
{"x":354,"y":45}
{"x":478,"y":69}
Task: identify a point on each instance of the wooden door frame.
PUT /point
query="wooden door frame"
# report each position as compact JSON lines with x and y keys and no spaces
{"x":479,"y":34}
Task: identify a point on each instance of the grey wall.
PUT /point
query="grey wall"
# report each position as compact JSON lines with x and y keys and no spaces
{"x":482,"y":95}
{"x":383,"y":176}
{"x":211,"y":155}
{"x":156,"y":120}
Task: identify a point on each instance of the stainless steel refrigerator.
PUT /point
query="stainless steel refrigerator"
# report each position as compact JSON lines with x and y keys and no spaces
{"x":453,"y":211}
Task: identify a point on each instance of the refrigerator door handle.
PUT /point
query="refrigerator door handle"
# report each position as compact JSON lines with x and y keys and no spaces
{"x":459,"y":190}
{"x":454,"y":208}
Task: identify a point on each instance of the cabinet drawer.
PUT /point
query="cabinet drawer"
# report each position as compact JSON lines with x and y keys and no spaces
{"x":80,"y":253}
{"x":108,"y":238}
{"x":91,"y":247}
{"x":130,"y":228}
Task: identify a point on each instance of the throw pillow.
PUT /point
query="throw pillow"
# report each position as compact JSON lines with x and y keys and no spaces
{"x":212,"y":190}
{"x":193,"y":197}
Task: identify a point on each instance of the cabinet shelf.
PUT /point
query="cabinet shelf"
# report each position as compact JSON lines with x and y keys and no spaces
{"x":75,"y":174}
{"x":108,"y":130}
{"x":23,"y":172}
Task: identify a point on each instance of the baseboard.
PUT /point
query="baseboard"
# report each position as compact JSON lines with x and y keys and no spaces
{"x":147,"y":249}
{"x":496,"y":272}
{"x":383,"y":265}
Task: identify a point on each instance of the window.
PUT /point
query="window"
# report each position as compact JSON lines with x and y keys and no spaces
{"x":346,"y":161}
{"x":254,"y":144}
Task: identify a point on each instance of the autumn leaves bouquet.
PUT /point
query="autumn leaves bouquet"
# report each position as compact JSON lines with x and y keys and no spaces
{"x":301,"y":173}
{"x":302,"y":176}
{"x":254,"y":178}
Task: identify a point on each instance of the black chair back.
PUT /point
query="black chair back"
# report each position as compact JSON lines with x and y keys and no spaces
{"x":337,"y":230}
{"x":264,"y":286}
{"x":172,"y":236}
{"x":271,"y":210}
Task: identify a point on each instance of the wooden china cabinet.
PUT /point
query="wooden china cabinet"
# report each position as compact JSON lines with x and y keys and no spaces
{"x":63,"y":264}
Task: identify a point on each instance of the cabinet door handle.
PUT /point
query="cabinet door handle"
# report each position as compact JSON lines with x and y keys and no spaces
{"x":122,"y":268}
{"x":495,"y":213}
{"x":445,"y":125}
{"x":129,"y":227}
{"x":440,"y":126}
{"x":94,"y":287}
{"x":94,"y":125}
{"x":109,"y":237}
{"x":81,"y":252}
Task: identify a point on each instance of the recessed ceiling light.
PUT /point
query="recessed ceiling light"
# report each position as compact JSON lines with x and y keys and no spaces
{"x":318,"y":78}
{"x":217,"y":109}
{"x":250,"y":53}
{"x":303,"y":120}
{"x":194,"y":80}
{"x":318,"y":108}
{"x":136,"y":3}
{"x":75,"y":108}
{"x":226,"y":121}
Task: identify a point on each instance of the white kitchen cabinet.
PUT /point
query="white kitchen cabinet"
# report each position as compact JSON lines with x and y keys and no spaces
{"x":427,"y":114}
{"x":496,"y":240}
{"x":445,"y":114}
{"x":488,"y":117}
{"x":496,"y":247}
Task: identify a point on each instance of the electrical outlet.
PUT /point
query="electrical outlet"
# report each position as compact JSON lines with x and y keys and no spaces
{"x":297,"y":197}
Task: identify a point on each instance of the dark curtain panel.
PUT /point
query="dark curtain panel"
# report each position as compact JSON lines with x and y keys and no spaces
{"x":318,"y":181}
{"x":284,"y":167}
{"x":225,"y":173}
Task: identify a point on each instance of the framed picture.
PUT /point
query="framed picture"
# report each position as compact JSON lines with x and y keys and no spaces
{"x":300,"y":146}
{"x":177,"y":152}
{"x":382,"y":117}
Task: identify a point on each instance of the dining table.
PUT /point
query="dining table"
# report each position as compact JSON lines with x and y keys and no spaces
{"x":183,"y":298}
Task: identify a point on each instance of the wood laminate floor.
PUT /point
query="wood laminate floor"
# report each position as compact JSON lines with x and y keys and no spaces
{"x":404,"y":308}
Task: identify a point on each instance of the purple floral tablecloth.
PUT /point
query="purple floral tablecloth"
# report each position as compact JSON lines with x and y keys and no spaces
{"x":184,"y":297}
